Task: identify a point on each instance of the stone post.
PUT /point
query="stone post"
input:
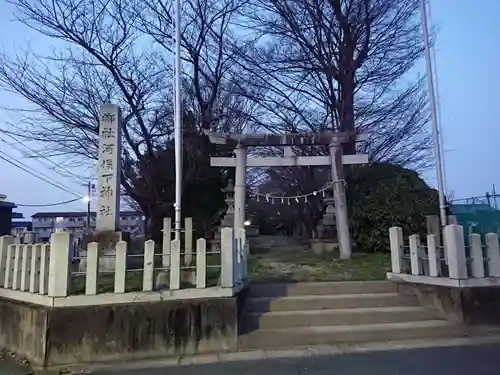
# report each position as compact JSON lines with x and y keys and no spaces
{"x":476,"y":254}
{"x":188,"y":241}
{"x":5,"y":242}
{"x":44,"y":268}
{"x":201,"y":263}
{"x":59,"y":264}
{"x":433,"y":255}
{"x":108,"y":195}
{"x":149,"y":266}
{"x":121,"y":267}
{"x":227,"y":275}
{"x":414,"y":241}
{"x":108,"y":212}
{"x":455,"y":248}
{"x":396,"y":242}
{"x":35,"y":269}
{"x":493,"y":252}
{"x":167,"y":240}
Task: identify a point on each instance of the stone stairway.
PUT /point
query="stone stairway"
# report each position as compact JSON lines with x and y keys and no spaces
{"x":330,"y":313}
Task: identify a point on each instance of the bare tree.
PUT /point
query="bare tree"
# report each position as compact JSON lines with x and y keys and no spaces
{"x":305,"y":64}
{"x":119,"y":51}
{"x":341,"y":65}
{"x":344,"y":65}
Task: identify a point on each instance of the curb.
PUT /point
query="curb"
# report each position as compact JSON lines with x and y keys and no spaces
{"x":254,"y":355}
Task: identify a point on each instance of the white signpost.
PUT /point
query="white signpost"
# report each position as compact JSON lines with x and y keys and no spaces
{"x":108,"y":195}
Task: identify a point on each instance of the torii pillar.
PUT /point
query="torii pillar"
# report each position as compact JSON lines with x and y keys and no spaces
{"x":335,"y":160}
{"x":239,"y":187}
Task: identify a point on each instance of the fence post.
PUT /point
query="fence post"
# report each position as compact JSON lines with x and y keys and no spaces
{"x":414,"y":240}
{"x":92,"y":270}
{"x":227,"y":258}
{"x":476,"y":254}
{"x":167,"y":239}
{"x":493,"y":253}
{"x":201,"y":263}
{"x":16,"y":273}
{"x":35,"y":269}
{"x":434,"y":227}
{"x":396,"y":242}
{"x":188,"y":241}
{"x":175,"y":265}
{"x":120,"y":266}
{"x":5,"y":242}
{"x":9,"y":265}
{"x":149,"y":266}
{"x":240,"y":254}
{"x":455,"y":248}
{"x":237,"y":256}
{"x":244,"y":253}
{"x":44,"y":269}
{"x":433,"y":255}
{"x":59,"y":264}
{"x":27,"y":252}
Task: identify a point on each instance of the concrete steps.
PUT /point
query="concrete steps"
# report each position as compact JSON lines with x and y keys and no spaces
{"x":322,"y":302}
{"x":304,"y":318}
{"x":320,"y":288}
{"x":329,"y":313}
{"x":344,"y":334}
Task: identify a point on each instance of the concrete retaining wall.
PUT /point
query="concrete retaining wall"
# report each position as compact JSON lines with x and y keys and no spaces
{"x":77,"y":335}
{"x":23,"y":329}
{"x":473,"y":305}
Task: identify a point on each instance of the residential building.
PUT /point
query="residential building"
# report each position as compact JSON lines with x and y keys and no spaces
{"x":20,"y":227}
{"x":46,"y":223}
{"x":6,"y":215}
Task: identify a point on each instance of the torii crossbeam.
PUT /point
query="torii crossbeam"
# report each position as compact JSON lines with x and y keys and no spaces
{"x":334,"y":140}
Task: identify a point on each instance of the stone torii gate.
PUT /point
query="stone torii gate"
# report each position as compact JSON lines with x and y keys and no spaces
{"x":335,"y":160}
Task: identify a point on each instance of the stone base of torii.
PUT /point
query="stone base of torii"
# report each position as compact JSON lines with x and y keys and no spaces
{"x":335,"y":160}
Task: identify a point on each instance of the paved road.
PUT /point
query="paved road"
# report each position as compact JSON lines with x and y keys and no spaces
{"x":472,"y":360}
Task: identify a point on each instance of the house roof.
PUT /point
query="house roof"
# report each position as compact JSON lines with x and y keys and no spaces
{"x":79,"y":214}
{"x":5,"y":204}
{"x":21,"y":224}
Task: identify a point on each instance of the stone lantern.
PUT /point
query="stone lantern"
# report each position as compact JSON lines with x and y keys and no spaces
{"x":326,"y":230}
{"x":228,"y":219}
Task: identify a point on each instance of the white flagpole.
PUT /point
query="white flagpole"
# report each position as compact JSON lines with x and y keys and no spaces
{"x":178,"y":120}
{"x":434,"y":119}
{"x":438,"y":105}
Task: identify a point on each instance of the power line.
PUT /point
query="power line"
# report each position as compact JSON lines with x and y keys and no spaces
{"x":42,"y":156}
{"x":6,"y":157}
{"x":50,"y":204}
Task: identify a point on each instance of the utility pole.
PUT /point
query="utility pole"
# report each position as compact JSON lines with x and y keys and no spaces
{"x":434,"y":118}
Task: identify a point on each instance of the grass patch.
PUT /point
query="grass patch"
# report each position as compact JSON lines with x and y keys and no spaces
{"x":304,"y":265}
